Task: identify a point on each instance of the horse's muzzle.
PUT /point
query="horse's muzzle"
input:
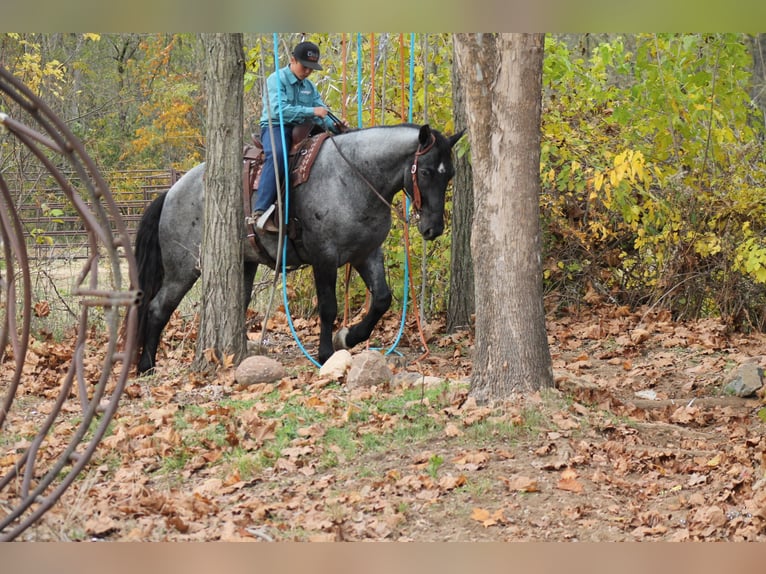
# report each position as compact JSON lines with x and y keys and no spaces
{"x":430,"y":230}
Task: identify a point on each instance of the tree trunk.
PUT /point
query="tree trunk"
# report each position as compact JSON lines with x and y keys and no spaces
{"x":502,"y":75}
{"x":221,"y":335}
{"x":758,"y":80}
{"x":460,"y":303}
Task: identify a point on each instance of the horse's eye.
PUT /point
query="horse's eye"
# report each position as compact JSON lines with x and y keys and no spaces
{"x":426,"y":171}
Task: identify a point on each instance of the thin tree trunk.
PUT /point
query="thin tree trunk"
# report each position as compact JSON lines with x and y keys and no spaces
{"x":221,"y":335}
{"x":460,"y":302}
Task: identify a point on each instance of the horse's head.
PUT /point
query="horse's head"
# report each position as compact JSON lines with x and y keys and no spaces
{"x":426,"y":184}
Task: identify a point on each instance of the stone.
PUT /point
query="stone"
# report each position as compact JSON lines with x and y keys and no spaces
{"x":648,"y":394}
{"x":368,"y":369}
{"x":259,"y":369}
{"x":337,"y":365}
{"x":408,"y":379}
{"x":745,"y":381}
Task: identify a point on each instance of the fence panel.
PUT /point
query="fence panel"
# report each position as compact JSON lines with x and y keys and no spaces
{"x":54,"y":231}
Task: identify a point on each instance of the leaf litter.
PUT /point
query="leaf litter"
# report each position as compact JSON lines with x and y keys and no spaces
{"x":194,"y":458}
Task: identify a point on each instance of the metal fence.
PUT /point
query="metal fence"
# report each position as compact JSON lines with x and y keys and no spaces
{"x":54,"y":229}
{"x":75,"y":201}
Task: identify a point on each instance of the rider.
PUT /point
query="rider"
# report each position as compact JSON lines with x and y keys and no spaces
{"x":290,"y":90}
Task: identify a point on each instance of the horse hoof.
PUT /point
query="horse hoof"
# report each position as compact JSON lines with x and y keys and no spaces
{"x":339,"y":340}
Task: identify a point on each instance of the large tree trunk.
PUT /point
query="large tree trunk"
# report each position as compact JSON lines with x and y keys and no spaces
{"x":222,"y":321}
{"x":460,"y":303}
{"x":502,"y":74}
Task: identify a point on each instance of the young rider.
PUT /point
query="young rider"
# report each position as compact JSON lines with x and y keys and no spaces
{"x":289,"y":90}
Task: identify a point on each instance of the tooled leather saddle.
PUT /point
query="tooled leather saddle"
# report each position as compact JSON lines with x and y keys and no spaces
{"x":301,"y":157}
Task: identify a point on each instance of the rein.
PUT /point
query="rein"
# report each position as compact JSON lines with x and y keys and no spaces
{"x":416,"y":199}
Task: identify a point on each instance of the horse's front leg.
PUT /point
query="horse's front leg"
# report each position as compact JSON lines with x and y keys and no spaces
{"x":325,"y":277}
{"x":373,"y":274}
{"x":250,"y":270}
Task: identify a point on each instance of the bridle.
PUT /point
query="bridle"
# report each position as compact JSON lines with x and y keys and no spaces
{"x":416,"y":196}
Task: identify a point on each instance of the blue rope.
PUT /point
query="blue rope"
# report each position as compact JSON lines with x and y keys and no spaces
{"x":406,"y":297}
{"x":286,"y":183}
{"x":287,"y":194}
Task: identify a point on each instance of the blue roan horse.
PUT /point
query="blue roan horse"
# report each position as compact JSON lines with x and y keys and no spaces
{"x":343,"y":213}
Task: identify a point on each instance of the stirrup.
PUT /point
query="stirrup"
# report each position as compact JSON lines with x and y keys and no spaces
{"x":261,"y":222}
{"x":264,"y":222}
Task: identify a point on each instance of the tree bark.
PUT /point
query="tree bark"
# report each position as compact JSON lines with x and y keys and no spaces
{"x":221,"y":336}
{"x":758,"y":80}
{"x":502,"y":74}
{"x":460,"y":301}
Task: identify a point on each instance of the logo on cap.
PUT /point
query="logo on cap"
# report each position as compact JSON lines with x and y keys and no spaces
{"x":308,"y":54}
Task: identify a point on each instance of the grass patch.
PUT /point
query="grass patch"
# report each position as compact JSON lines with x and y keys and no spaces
{"x":246,"y":463}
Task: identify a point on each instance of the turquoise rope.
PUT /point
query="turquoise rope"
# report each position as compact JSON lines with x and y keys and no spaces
{"x":287,"y":210}
{"x":287,"y":195}
{"x":407,"y":213}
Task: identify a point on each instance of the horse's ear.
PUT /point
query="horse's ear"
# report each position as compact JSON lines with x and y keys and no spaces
{"x":455,"y":138}
{"x":425,"y":134}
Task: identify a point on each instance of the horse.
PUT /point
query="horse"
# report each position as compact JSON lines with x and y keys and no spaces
{"x":342,"y":214}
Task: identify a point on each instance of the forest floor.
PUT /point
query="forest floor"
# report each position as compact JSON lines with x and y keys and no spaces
{"x":190,"y":458}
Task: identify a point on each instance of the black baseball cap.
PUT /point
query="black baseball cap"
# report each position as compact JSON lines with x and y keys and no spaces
{"x":307,"y":53}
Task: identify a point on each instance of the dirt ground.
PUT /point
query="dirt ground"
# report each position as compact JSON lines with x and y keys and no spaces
{"x":590,"y":460}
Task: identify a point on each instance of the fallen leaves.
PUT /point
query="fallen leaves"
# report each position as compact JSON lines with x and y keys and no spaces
{"x":487,"y":518}
{"x":194,"y":458}
{"x":569,"y":482}
{"x":520,"y":483}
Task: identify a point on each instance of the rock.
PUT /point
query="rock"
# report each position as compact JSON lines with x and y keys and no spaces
{"x":647,"y":394}
{"x":337,"y":365}
{"x":745,"y":381}
{"x":369,"y":368}
{"x":410,"y":379}
{"x":259,"y":369}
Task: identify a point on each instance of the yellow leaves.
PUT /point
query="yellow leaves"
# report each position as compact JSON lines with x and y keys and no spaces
{"x":598,"y":181}
{"x":35,"y":73}
{"x":715,"y":461}
{"x":750,"y":258}
{"x":628,"y":165}
{"x":708,"y":244}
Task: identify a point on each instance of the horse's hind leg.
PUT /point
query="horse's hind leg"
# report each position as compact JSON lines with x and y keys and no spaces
{"x":160,"y":309}
{"x":373,"y":274}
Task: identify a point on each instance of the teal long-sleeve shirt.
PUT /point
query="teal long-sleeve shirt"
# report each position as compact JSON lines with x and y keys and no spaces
{"x":296,"y":98}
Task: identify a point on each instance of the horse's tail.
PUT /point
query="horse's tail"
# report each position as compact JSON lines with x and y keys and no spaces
{"x":149,"y":261}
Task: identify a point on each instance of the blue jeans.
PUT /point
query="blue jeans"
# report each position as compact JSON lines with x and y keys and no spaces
{"x":274,"y":163}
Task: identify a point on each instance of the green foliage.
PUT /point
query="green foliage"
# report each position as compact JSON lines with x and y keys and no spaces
{"x":651,"y":166}
{"x":172,"y":130}
{"x":652,"y":161}
{"x":44,"y":77}
{"x":434,"y":463}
